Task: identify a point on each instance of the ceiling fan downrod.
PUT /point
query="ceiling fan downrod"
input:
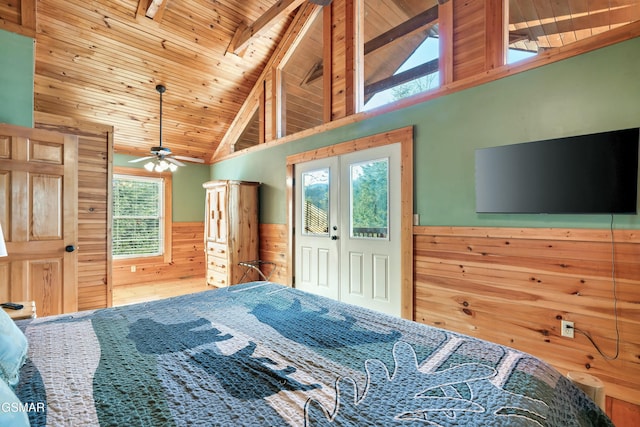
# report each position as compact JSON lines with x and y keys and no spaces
{"x":161,"y":89}
{"x":161,"y":157}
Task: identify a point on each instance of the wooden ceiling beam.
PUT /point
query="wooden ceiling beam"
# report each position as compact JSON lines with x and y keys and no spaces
{"x":151,"y":9}
{"x":244,"y":34}
{"x":423,"y":19}
{"x":428,"y":17}
{"x":403,"y":77}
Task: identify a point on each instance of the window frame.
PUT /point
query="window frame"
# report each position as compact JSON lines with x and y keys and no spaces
{"x":166,"y":217}
{"x":414,"y":72}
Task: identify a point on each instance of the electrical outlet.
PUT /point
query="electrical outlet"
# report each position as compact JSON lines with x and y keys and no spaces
{"x":566,"y":328}
{"x":133,"y":268}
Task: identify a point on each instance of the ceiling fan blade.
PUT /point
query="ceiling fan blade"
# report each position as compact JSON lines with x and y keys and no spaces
{"x":174,"y":161}
{"x":141,"y":159}
{"x":189,"y":159}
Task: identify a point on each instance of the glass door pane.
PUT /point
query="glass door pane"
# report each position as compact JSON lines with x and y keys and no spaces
{"x":369,"y":186}
{"x":315,"y":202}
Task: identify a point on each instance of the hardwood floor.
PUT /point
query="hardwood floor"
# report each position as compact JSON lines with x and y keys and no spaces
{"x":131,"y":294}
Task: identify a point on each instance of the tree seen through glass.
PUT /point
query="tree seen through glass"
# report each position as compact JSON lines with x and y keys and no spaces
{"x":370,"y":199}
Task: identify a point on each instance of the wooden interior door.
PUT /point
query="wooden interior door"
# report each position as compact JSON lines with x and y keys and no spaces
{"x":38,"y":213}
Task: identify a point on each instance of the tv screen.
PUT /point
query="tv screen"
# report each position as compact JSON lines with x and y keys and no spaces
{"x":586,"y":174}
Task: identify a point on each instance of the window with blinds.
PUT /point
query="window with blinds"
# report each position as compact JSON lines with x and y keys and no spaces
{"x":137,"y":216}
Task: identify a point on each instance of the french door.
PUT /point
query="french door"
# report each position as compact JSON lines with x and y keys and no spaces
{"x":347,"y":228}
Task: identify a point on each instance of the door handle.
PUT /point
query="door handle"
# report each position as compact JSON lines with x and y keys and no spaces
{"x":334,"y":237}
{"x":69,"y":248}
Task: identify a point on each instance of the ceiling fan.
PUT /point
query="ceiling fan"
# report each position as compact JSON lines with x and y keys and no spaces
{"x":161,"y":157}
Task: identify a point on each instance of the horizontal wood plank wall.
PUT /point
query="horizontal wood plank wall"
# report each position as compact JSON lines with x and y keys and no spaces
{"x":273,"y":248}
{"x":94,"y":256}
{"x":18,"y":17}
{"x":514,"y":285}
{"x":188,"y":259}
{"x":10,"y":11}
{"x":623,"y":414}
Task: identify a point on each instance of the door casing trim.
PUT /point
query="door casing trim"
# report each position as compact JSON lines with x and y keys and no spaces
{"x":404,"y":136}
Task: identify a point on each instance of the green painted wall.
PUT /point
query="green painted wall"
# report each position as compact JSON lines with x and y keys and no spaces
{"x":593,"y":92}
{"x":188,"y":194}
{"x":16,"y":79}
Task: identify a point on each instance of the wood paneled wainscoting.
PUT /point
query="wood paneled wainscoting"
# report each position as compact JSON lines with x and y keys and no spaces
{"x":188,"y":256}
{"x":187,"y":259}
{"x":273,"y":248}
{"x":514,"y":285}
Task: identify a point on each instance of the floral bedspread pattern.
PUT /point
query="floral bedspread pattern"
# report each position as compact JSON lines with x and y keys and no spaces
{"x":261,"y":354}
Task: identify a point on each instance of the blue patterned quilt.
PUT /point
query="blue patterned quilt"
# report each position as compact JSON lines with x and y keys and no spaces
{"x":262,"y":354}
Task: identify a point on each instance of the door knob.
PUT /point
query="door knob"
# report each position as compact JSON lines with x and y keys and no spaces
{"x":334,"y":237}
{"x":70,"y":248}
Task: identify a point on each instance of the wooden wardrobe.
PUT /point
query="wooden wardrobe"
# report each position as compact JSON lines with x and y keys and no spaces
{"x":231,"y":230}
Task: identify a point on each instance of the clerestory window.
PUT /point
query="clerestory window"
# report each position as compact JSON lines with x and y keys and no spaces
{"x":535,"y":27}
{"x":401,"y":50}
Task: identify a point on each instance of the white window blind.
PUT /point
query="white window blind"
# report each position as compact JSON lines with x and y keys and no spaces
{"x":137,"y":216}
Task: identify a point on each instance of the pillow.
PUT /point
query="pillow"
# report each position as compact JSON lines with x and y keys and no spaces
{"x":12,"y":411}
{"x":13,"y":349}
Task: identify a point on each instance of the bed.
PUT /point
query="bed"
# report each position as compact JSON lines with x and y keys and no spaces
{"x":262,"y":354}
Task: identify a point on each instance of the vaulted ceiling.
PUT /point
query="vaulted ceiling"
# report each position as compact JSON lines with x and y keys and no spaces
{"x":101,"y":60}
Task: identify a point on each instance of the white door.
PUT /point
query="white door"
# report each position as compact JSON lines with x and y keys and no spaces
{"x":347,"y":229}
{"x":370,"y":238}
{"x":316,"y":256}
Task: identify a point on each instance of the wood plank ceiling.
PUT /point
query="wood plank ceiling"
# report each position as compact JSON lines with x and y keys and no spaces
{"x":100,"y":60}
{"x":537,"y":25}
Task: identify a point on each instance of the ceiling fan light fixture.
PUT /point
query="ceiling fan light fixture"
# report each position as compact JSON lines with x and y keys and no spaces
{"x":160,"y":165}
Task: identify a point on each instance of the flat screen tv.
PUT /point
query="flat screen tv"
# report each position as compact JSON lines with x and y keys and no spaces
{"x":586,"y":174}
